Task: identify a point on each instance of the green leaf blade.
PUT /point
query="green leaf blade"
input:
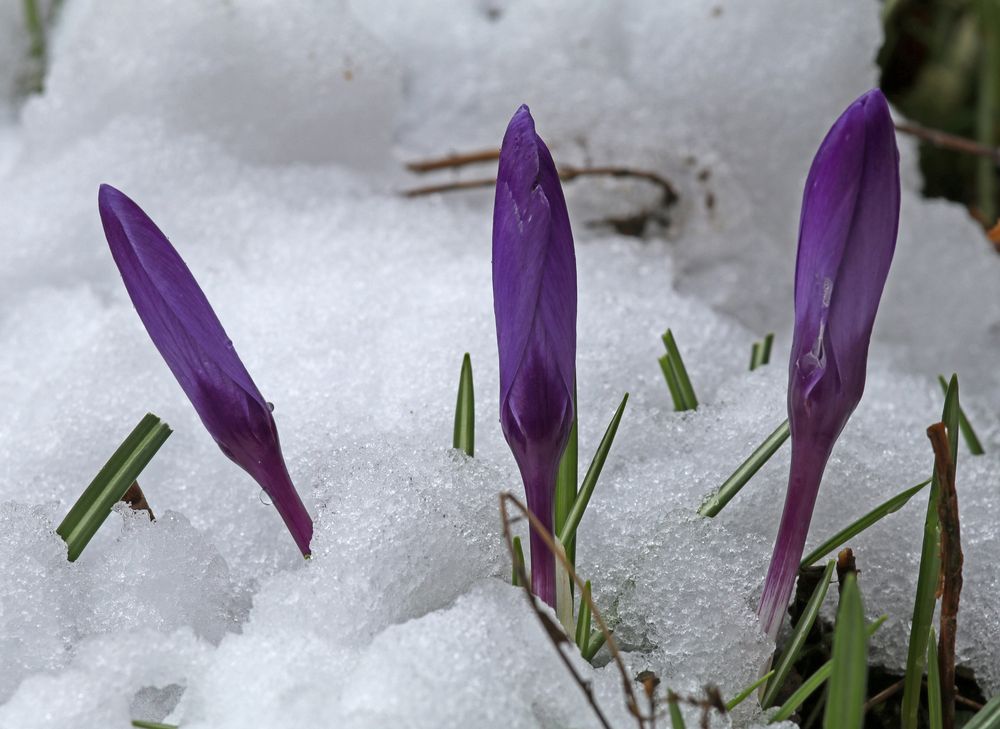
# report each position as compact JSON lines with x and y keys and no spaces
{"x":845,"y":704}
{"x":464,"y":438}
{"x":935,"y":710}
{"x":575,"y":515}
{"x":683,"y":380}
{"x":799,"y":635}
{"x":893,"y":505}
{"x":93,"y":507}
{"x":714,"y":503}
{"x":567,"y":479}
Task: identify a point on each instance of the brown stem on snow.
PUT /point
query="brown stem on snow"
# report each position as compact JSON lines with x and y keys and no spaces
{"x":951,"y":567}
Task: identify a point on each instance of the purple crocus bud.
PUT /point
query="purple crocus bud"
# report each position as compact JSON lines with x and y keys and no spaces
{"x":534,"y":300}
{"x":847,"y":235}
{"x":185,"y":330}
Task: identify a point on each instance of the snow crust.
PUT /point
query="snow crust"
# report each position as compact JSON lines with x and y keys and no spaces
{"x":267,"y":138}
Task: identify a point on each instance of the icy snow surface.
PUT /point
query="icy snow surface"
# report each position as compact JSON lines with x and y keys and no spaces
{"x":267,"y":139}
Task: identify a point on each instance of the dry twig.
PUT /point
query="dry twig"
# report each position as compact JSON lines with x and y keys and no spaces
{"x":950,"y":141}
{"x":552,"y":629}
{"x":951,"y":567}
{"x":137,"y":500}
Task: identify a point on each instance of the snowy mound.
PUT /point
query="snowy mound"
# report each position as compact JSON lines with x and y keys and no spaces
{"x":267,"y":139}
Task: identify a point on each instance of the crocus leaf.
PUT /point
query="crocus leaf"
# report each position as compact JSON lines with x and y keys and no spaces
{"x":746,"y":693}
{"x":188,"y":335}
{"x":798,"y":639}
{"x":746,"y":470}
{"x":934,"y":707}
{"x":817,"y":679}
{"x":845,"y":703}
{"x":680,"y":371}
{"x":968,"y":433}
{"x":593,"y":474}
{"x":852,"y":530}
{"x":111,"y":483}
{"x":464,"y":438}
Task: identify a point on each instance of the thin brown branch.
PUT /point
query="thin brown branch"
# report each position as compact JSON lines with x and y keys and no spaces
{"x":951,"y":568}
{"x":453,"y":160}
{"x":137,"y":500}
{"x":451,"y":187}
{"x":555,"y":633}
{"x":950,"y":141}
{"x":884,"y":694}
{"x":567,"y":173}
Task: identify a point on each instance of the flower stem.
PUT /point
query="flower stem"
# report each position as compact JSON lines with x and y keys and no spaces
{"x":809,"y":458}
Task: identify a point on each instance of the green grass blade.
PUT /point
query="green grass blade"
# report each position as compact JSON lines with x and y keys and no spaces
{"x":464,"y":438}
{"x":988,"y":717}
{"x":567,"y":479}
{"x":765,"y":356}
{"x":595,"y":644}
{"x":583,"y":626}
{"x":934,"y":708}
{"x":755,"y":355}
{"x":968,"y":433}
{"x":671,"y":377}
{"x":717,"y":501}
{"x":111,"y":483}
{"x":845,"y":703}
{"x":745,"y":693}
{"x":928,"y":577}
{"x":799,"y":635}
{"x":676,"y":720}
{"x":894,"y":504}
{"x":152,"y":725}
{"x":683,"y":381}
{"x":816,"y":680}
{"x":515,"y":578}
{"x":593,"y":473}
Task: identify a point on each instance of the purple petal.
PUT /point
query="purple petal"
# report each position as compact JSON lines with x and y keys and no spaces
{"x":192,"y":342}
{"x":534,"y":299}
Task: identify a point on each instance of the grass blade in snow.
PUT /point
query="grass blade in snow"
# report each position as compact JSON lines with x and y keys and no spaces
{"x":760,"y":353}
{"x":568,"y":531}
{"x":670,"y":375}
{"x":683,"y":381}
{"x":676,"y":720}
{"x":566,"y":482}
{"x":464,"y":438}
{"x":845,"y":703}
{"x":799,"y":635}
{"x":583,"y":626}
{"x":745,"y":693}
{"x":988,"y":717}
{"x":935,"y":714}
{"x":518,"y":562}
{"x":894,"y":504}
{"x":928,"y":576}
{"x":809,"y":686}
{"x":596,"y":642}
{"x":717,"y":501}
{"x":111,"y":483}
{"x":971,"y":439}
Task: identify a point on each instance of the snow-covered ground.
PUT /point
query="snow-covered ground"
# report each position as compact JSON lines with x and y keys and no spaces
{"x":267,"y":139}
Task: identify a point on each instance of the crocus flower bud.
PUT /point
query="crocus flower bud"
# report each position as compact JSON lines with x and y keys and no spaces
{"x":534,"y":300}
{"x":192,"y":342}
{"x":847,"y":235}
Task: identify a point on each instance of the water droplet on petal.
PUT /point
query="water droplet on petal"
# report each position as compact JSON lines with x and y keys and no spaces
{"x":270,"y":406}
{"x":264,"y":498}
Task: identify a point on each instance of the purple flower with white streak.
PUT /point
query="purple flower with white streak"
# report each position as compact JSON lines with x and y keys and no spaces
{"x":847,"y":235}
{"x":192,"y":342}
{"x":534,"y":300}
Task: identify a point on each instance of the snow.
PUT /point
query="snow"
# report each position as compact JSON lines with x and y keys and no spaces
{"x":267,"y":140}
